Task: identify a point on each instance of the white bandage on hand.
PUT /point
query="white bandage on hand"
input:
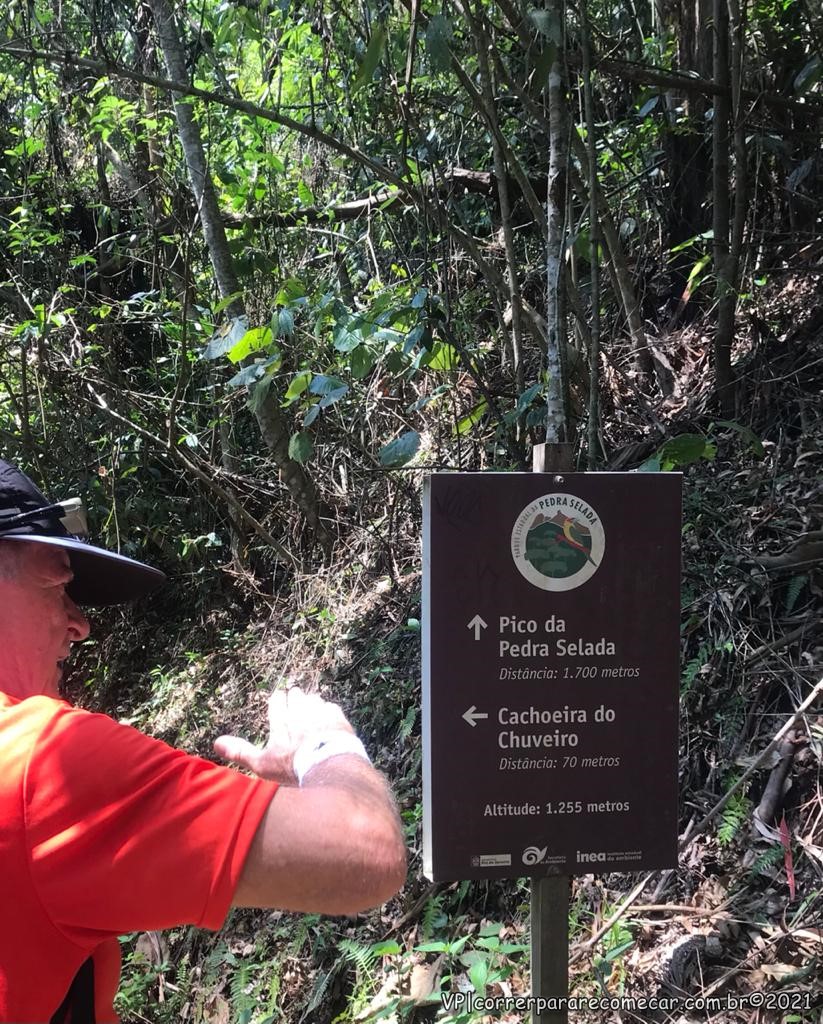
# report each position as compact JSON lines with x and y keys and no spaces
{"x":320,"y":747}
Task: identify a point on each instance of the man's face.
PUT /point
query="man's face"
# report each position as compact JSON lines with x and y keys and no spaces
{"x":38,"y":621}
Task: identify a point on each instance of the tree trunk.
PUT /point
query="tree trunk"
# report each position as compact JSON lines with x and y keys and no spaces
{"x":269,"y":416}
{"x":594,"y":218}
{"x":617,"y":262}
{"x":720,"y":212}
{"x":556,"y":428}
{"x":684,"y":142}
{"x":729,"y":279}
{"x":501,"y":174}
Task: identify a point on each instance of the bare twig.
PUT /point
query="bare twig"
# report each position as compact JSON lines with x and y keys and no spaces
{"x":704,"y":823}
{"x":583,"y":947}
{"x":225,"y":496}
{"x":775,"y":645}
{"x":772,"y":799}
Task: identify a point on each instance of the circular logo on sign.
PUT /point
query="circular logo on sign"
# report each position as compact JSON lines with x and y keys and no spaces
{"x":558,"y":542}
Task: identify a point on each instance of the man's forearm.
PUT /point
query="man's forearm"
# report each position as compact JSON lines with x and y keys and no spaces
{"x":333,"y":845}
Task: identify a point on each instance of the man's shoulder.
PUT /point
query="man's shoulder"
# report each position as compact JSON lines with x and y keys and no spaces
{"x":38,"y":727}
{"x":39,"y":710}
{"x":29,"y":714}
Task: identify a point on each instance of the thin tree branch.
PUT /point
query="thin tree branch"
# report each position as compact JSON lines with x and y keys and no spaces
{"x":209,"y":482}
{"x":764,"y":754}
{"x":487,"y":99}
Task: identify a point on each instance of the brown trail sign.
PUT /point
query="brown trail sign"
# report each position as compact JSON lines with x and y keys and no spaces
{"x":550,"y":673}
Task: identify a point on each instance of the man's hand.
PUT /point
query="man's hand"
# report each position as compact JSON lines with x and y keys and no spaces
{"x":332,"y":845}
{"x":294,"y":716}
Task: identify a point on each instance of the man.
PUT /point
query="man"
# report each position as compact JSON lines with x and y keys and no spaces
{"x":104,"y":830}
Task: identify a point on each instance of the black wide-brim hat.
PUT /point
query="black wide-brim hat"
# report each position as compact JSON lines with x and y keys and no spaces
{"x":100,"y":577}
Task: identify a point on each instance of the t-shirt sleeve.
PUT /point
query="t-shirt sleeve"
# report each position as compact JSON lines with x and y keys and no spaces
{"x":126,"y":833}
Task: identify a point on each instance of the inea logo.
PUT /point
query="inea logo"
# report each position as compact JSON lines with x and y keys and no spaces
{"x":591,"y":858}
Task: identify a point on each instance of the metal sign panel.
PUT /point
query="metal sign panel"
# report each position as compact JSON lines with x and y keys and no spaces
{"x":551,"y":623}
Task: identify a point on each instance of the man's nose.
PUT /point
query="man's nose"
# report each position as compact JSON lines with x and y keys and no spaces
{"x":78,"y":623}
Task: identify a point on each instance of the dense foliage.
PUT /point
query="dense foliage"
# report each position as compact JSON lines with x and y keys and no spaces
{"x":261,"y":263}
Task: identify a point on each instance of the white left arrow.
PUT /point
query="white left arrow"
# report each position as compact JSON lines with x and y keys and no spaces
{"x":476,"y":624}
{"x":472,"y":715}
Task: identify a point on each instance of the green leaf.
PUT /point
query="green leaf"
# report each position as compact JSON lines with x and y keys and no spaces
{"x":618,"y":951}
{"x":248,"y":375}
{"x":285,"y":323}
{"x":648,"y":106}
{"x":704,"y":236}
{"x":301,"y":447}
{"x":386,"y":949}
{"x":361,"y":362}
{"x":225,"y":338}
{"x":438,"y":42}
{"x":456,"y":947}
{"x":291,"y":290}
{"x":374,"y":51}
{"x":323,"y":385}
{"x":401,"y":450}
{"x":258,"y":394}
{"x":332,"y":396}
{"x":347,"y":335}
{"x":527,"y":397}
{"x":474,"y":417}
{"x":478,"y":975}
{"x":413,"y":337}
{"x":652,"y":465}
{"x":394,"y":361}
{"x":298,"y":385}
{"x":507,"y":948}
{"x":305,"y":194}
{"x":793,"y":591}
{"x":808,"y":75}
{"x":445,"y":357}
{"x":542,"y":67}
{"x":252,"y":341}
{"x":755,"y":443}
{"x":431,"y":947}
{"x":225,"y":303}
{"x":311,"y":415}
{"x":686,"y":449}
{"x":490,"y":928}
{"x":547,"y":24}
{"x":697,"y":270}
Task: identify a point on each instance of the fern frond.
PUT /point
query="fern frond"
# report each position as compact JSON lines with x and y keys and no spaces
{"x":407,"y":724}
{"x":430,"y":913}
{"x":239,"y":984}
{"x":181,"y":978}
{"x":219,"y":955}
{"x":768,"y":859}
{"x":794,"y":590}
{"x":693,"y":667}
{"x":735,"y":815}
{"x":361,"y":956}
{"x":732,"y":715}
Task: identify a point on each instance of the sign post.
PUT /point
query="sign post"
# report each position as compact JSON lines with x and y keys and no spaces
{"x":549,"y":905}
{"x":550,"y":685}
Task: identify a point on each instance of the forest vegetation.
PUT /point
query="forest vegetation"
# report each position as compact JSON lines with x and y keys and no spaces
{"x":264,"y":265}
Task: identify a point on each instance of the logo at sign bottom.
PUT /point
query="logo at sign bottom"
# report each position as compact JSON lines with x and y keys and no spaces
{"x":492,"y":860}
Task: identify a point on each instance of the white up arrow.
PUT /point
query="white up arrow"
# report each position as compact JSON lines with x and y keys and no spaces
{"x":471,"y":716}
{"x":476,"y":624}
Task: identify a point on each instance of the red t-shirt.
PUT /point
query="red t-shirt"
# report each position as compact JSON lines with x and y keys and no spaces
{"x":105,"y":831}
